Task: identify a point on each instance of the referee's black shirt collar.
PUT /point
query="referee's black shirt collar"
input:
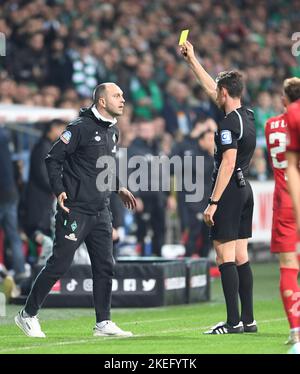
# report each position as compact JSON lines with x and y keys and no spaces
{"x":227,"y":114}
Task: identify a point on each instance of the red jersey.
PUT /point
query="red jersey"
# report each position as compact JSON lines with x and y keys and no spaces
{"x":292,"y":117}
{"x":276,"y":138}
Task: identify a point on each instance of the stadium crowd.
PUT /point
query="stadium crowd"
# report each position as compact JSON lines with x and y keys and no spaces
{"x":58,"y":51}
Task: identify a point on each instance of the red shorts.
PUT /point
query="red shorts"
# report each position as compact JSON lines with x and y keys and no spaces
{"x":284,"y":231}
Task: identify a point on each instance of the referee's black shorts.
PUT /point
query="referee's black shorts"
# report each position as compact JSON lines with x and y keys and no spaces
{"x":233,"y":218}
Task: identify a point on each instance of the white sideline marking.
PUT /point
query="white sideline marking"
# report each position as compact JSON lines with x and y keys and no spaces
{"x":151,"y":321}
{"x":95,"y":340}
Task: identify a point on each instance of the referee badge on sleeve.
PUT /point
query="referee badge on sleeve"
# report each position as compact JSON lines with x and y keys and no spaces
{"x":66,"y":137}
{"x":226,"y":137}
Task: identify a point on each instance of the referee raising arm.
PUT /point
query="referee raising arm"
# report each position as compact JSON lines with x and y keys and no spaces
{"x":230,"y":208}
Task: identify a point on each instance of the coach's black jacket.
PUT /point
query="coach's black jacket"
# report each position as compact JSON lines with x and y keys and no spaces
{"x":71,"y":163}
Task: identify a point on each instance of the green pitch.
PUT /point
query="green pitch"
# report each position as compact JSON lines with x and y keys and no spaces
{"x":158,"y":330}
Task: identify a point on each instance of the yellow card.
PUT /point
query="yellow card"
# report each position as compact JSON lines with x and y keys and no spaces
{"x":183,"y":36}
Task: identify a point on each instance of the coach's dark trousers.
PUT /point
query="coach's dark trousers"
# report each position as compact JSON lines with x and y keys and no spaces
{"x":71,"y":230}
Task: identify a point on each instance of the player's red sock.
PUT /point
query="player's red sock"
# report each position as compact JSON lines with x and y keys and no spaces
{"x":290,"y":294}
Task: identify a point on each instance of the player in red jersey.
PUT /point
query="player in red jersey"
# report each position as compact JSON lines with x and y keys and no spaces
{"x":284,"y":230}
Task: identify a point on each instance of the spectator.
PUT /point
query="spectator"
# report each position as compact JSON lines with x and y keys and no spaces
{"x":31,"y":64}
{"x":145,"y":93}
{"x":40,"y":199}
{"x":203,"y":106}
{"x":177,"y":111}
{"x":150,"y":210}
{"x":86,"y":69}
{"x":8,"y":207}
{"x":258,"y":166}
{"x":259,"y":46}
{"x":262,"y":112}
{"x":127,"y":69}
{"x":60,"y":66}
{"x":73,"y":44}
{"x":200,"y":142}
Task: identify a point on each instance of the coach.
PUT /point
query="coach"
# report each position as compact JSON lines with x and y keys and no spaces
{"x":230,"y":209}
{"x":83,"y":211}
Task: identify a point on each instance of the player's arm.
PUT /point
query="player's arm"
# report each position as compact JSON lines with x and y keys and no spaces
{"x":293,"y":175}
{"x":126,"y":196}
{"x":38,"y":168}
{"x":201,"y":74}
{"x":66,"y":144}
{"x":225,"y":172}
{"x":292,"y":156}
{"x":228,"y":139}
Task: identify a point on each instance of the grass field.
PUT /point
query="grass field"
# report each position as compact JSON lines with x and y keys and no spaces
{"x":175,"y":329}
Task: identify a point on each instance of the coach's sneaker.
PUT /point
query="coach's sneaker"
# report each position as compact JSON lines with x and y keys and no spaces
{"x":109,"y":328}
{"x":29,"y":325}
{"x":225,"y":328}
{"x":250,"y":327}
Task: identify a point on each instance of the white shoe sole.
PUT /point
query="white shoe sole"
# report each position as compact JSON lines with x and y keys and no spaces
{"x":19,"y":324}
{"x":98,"y":333}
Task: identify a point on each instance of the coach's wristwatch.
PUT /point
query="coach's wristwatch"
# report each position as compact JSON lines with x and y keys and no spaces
{"x":212,"y":202}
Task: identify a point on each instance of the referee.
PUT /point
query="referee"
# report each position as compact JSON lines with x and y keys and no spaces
{"x":230,"y":209}
{"x":83,"y":213}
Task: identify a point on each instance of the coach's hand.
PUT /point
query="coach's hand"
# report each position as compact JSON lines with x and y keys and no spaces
{"x":209,"y":214}
{"x":187,"y":51}
{"x":61,"y":201}
{"x":128,"y":199}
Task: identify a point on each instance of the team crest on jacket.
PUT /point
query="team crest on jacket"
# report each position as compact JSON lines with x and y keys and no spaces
{"x":66,"y":137}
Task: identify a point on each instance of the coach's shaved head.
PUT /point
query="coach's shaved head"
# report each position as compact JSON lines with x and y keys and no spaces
{"x":100,"y":91}
{"x":108,"y":98}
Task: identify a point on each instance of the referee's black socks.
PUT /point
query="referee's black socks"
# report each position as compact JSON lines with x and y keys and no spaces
{"x":230,"y":284}
{"x":246,"y":292}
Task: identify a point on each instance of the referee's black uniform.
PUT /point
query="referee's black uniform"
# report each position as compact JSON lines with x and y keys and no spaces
{"x":233,"y":218}
{"x":72,"y":168}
